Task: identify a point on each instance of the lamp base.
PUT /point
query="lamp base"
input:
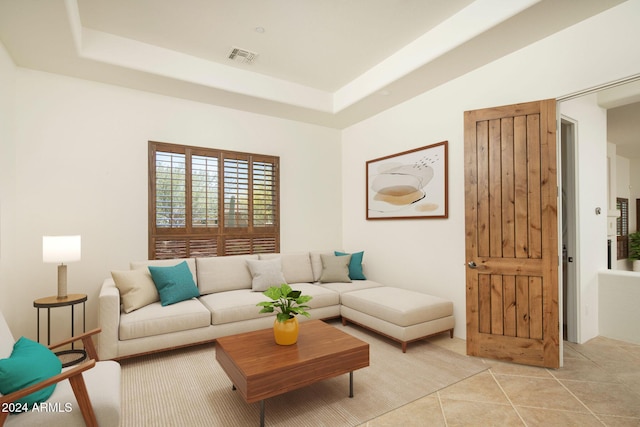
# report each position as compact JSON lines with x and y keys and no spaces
{"x":62,"y":281}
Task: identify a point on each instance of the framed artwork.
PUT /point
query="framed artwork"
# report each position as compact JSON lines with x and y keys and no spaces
{"x":409,"y":185}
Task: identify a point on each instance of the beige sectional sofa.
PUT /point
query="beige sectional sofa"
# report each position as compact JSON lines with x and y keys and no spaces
{"x":134,"y":322}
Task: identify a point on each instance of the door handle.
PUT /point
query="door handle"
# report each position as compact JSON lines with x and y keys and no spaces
{"x":472,"y":264}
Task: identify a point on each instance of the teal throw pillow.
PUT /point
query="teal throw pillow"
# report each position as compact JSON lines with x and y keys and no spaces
{"x":355,"y":265}
{"x":30,"y":363}
{"x":174,"y":283}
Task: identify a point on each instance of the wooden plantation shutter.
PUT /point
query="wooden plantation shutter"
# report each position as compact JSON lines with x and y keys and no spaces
{"x":622,"y":228}
{"x":207,"y":202}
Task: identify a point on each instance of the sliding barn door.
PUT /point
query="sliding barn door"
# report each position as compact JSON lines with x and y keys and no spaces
{"x":511,"y":205}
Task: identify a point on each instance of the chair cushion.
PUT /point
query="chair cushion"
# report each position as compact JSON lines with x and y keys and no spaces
{"x":103,"y":387}
{"x":136,"y":288}
{"x":174,"y":283}
{"x":30,"y":363}
{"x":265,"y":273}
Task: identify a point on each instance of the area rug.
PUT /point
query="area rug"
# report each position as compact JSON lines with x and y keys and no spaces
{"x":187,"y":387}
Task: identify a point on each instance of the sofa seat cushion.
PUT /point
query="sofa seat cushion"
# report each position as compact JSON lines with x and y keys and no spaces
{"x":322,"y":297}
{"x":239,"y":305}
{"x":233,"y":306}
{"x":154,"y":319}
{"x":401,"y":307}
{"x":356,"y":285}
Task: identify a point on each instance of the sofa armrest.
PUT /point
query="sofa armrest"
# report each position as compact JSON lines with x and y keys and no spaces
{"x":108,"y":319}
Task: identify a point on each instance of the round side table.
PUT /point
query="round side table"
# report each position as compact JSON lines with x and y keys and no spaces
{"x":69,"y":301}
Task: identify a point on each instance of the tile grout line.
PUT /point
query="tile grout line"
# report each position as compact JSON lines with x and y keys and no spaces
{"x":575,"y":397}
{"x":508,"y":398}
{"x":444,"y":417}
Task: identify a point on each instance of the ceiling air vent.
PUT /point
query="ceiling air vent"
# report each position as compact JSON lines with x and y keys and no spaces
{"x":242,"y":55}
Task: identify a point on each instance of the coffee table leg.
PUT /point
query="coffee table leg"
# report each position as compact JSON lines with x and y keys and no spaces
{"x":262,"y":413}
{"x":351,"y":384}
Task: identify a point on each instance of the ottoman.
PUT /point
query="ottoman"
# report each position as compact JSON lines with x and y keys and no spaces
{"x":400,"y":314}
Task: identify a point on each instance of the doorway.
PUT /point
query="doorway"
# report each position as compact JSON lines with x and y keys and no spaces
{"x":568,"y":227}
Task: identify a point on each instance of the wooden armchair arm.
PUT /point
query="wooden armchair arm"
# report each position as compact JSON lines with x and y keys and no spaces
{"x":87,"y":342}
{"x":74,"y":375}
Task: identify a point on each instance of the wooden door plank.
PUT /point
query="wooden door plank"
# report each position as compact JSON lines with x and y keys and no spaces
{"x":497,"y":312}
{"x":484,"y":303}
{"x":495,"y":196}
{"x":551,"y":319}
{"x":509,"y":305}
{"x":535,"y":307}
{"x":521,"y":197}
{"x":482,"y":187}
{"x":511,"y":349}
{"x":534,"y":202}
{"x":471,"y":229}
{"x":470,"y":189}
{"x":508,"y":188}
{"x":522,"y":306}
{"x":473,"y":321}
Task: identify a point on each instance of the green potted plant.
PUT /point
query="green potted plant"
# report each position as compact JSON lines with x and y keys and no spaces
{"x":634,"y":250}
{"x":288,"y":303}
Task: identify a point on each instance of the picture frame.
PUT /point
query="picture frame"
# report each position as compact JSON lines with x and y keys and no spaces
{"x":409,"y":185}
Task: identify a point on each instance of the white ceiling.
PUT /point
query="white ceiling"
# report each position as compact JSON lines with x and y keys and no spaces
{"x":330,"y":62}
{"x":321,"y":44}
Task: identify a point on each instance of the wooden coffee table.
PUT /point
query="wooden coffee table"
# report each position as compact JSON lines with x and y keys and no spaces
{"x":259,"y":368}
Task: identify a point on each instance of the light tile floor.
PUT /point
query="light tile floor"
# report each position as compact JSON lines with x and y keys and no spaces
{"x":599,"y":385}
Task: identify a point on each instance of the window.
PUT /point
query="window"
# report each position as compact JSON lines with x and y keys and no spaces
{"x":622,"y":228}
{"x":208,"y":202}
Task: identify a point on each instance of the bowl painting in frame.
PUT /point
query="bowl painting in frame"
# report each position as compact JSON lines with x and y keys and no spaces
{"x":409,"y":185}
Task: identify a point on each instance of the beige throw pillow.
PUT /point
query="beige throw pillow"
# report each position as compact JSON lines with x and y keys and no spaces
{"x":265,"y":273}
{"x":136,"y":288}
{"x":335,"y":268}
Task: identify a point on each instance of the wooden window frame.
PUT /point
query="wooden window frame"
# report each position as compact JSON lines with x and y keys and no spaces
{"x":218,"y":238}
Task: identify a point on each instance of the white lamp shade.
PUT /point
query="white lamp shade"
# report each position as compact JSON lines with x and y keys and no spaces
{"x":60,"y":249}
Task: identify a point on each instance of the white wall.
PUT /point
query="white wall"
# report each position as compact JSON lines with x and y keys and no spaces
{"x":622,"y":184}
{"x":592,"y":188}
{"x":619,"y":295}
{"x":7,"y":183}
{"x":81,"y":168}
{"x":428,"y":255}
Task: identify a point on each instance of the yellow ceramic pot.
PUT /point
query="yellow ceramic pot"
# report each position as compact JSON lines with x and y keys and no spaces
{"x":286,"y":333}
